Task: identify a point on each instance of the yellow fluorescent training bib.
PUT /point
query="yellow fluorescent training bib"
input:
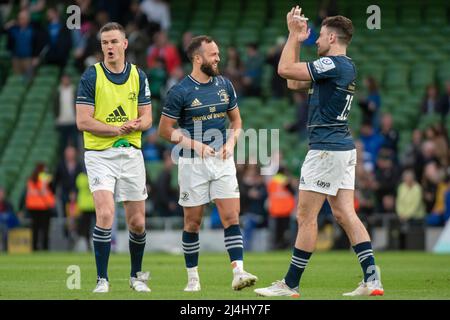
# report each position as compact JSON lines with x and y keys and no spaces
{"x":115,"y":104}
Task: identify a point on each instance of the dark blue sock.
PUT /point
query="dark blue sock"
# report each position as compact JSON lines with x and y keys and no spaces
{"x":364,"y":253}
{"x":234,"y":242}
{"x":102,"y":248}
{"x":137,"y":245}
{"x":191,"y":248}
{"x":299,"y":261}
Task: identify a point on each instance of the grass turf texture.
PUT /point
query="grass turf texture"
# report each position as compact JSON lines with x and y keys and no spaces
{"x":405,"y":275}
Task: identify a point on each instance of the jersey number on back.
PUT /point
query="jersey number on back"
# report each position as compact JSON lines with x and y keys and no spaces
{"x":346,"y":111}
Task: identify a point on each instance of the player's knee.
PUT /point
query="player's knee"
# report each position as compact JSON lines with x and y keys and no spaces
{"x":305,"y":219}
{"x":137,"y":225}
{"x":230,"y":220}
{"x":105,"y":216}
{"x":192,"y":225}
{"x":341,"y":218}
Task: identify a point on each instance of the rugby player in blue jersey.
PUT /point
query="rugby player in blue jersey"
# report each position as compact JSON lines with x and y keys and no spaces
{"x":328,"y":171}
{"x":200,"y":104}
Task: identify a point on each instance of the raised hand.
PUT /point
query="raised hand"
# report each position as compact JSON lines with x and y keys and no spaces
{"x":297,"y":24}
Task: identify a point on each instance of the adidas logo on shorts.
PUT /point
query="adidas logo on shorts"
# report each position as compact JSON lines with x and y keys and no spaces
{"x":117,"y":115}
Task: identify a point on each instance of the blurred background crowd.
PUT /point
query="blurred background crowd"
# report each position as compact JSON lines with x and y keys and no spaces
{"x":399,"y":118}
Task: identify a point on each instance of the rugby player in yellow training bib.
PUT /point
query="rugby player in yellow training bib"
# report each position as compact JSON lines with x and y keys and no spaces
{"x":113,"y":108}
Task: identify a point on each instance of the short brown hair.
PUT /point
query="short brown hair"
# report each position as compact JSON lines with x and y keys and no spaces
{"x":110,"y":26}
{"x":195,"y":44}
{"x":343,"y":27}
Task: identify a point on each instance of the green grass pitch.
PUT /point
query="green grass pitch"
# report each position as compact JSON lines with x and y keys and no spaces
{"x":405,"y":275}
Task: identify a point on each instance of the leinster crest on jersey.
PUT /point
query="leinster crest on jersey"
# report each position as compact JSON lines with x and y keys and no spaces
{"x":223,"y":95}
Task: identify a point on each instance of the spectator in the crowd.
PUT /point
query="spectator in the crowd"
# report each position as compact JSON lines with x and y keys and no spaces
{"x":90,"y":52}
{"x":59,"y":39}
{"x":72,"y":213}
{"x":137,"y":17}
{"x":438,"y":215}
{"x":152,"y":149}
{"x":8,"y":219}
{"x":158,"y":77}
{"x":166,"y":196}
{"x":439,"y":137}
{"x":175,"y":77}
{"x":444,"y":102}
{"x":138,"y":42}
{"x":118,"y":10}
{"x":430,"y":181}
{"x":371,"y":104}
{"x":85,"y":203}
{"x":387,"y":204}
{"x":409,"y":204}
{"x":301,"y":104}
{"x":65,"y":114}
{"x":163,"y":49}
{"x":389,"y":134}
{"x":430,"y":101}
{"x":36,"y":8}
{"x":158,"y":15}
{"x":22,"y":43}
{"x":185,"y":41}
{"x":387,"y":175}
{"x":253,"y":198}
{"x":39,"y":203}
{"x":281,"y":203}
{"x":371,"y":140}
{"x":66,"y":173}
{"x":278,"y":84}
{"x":427,"y":155}
{"x":364,"y":162}
{"x":253,"y":70}
{"x":412,"y":155}
{"x":365,"y":193}
{"x":234,"y":68}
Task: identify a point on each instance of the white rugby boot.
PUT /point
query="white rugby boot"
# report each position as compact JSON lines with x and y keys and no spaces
{"x":102,"y":286}
{"x":139,"y":283}
{"x":371,"y":288}
{"x":278,"y":289}
{"x":193,"y":285}
{"x":243,"y":279}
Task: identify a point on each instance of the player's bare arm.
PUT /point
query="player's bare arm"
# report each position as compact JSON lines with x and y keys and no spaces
{"x":289,"y":66}
{"x":167,"y":131}
{"x":87,"y":122}
{"x":236,"y":128}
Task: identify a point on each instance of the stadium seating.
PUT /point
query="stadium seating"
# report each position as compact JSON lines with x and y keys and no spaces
{"x":403,"y":63}
{"x":30,"y":133}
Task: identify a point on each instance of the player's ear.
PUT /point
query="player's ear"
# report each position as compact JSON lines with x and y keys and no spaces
{"x":125,"y":43}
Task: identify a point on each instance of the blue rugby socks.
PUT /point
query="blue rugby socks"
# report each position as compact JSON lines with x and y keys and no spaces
{"x":102,"y":248}
{"x":298,"y":264}
{"x":137,"y":245}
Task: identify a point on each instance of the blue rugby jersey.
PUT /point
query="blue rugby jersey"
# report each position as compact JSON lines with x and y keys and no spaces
{"x":330,"y":98}
{"x":198,"y":105}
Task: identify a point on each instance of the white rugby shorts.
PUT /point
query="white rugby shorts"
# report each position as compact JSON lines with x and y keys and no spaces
{"x":327,"y":171}
{"x":119,"y":170}
{"x":203,"y":180}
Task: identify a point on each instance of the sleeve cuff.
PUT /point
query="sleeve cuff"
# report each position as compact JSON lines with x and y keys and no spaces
{"x":310,"y":72}
{"x":169,"y":115}
{"x":85,"y":102}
